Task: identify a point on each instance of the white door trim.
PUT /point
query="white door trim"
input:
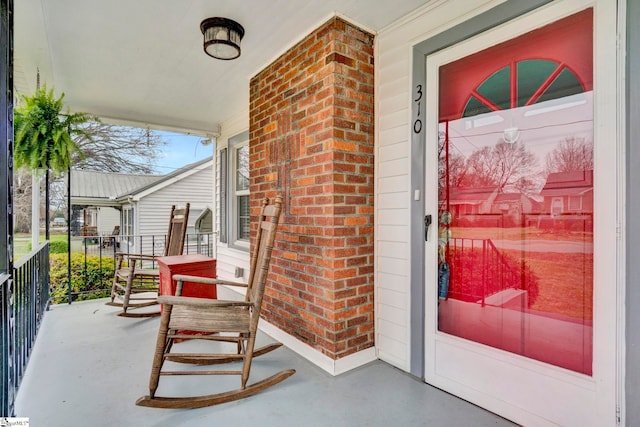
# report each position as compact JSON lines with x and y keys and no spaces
{"x":601,"y":391}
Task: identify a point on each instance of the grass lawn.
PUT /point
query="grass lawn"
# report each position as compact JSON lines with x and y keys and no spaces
{"x":517,"y":233}
{"x":565,"y":283}
{"x":22,"y":243}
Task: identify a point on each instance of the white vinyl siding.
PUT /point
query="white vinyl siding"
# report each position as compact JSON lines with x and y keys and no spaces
{"x":152,"y":210}
{"x":393,"y":168}
{"x":108,"y":218}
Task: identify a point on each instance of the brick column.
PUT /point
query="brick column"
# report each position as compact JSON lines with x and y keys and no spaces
{"x":311,"y":140}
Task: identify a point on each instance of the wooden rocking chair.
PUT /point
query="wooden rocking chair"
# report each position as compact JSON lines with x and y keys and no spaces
{"x":112,"y":239}
{"x":131,"y":277}
{"x":217,"y":320}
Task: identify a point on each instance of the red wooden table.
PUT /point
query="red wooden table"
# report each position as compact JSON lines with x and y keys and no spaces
{"x":195,"y":265}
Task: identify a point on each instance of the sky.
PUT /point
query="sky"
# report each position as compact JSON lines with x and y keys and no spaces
{"x":180,"y":151}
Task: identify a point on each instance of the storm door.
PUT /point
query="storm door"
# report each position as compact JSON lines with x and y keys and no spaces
{"x":514,"y":206}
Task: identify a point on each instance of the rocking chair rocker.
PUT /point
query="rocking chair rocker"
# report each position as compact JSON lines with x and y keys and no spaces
{"x":217,"y":320}
{"x":131,"y":278}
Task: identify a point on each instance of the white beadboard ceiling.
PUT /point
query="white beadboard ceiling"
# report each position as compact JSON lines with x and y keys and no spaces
{"x":141,"y":61}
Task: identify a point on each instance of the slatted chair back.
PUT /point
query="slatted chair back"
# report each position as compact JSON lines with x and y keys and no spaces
{"x":261,"y":254}
{"x":174,"y":244}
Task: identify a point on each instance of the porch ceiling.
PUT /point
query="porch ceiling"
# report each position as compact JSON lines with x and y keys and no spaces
{"x":141,"y":62}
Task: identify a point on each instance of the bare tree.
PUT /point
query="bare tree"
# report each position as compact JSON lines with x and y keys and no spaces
{"x":452,"y":166}
{"x":516,"y":166}
{"x":118,"y":149}
{"x":482,"y":168}
{"x":456,"y":173}
{"x":22,"y":189}
{"x":507,"y":166}
{"x":571,"y":155}
{"x":105,"y":148}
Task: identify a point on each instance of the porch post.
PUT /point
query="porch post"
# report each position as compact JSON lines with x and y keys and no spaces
{"x":6,"y":136}
{"x":7,"y":371}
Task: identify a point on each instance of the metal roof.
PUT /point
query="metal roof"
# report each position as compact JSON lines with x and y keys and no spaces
{"x":109,"y":186}
{"x":103,"y":185}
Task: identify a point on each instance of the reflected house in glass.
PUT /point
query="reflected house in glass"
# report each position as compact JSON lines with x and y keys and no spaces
{"x":568,"y":193}
{"x":468,"y":204}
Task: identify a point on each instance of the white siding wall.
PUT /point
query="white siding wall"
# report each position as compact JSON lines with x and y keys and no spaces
{"x":229,"y":258}
{"x":108,"y":218}
{"x":153,"y":209}
{"x":394,"y":57}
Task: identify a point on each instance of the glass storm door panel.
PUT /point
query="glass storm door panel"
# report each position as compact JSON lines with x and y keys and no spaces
{"x":515,"y":195}
{"x":511,"y":276}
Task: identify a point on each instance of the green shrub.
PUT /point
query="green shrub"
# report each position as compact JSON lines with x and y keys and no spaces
{"x":91,"y":277}
{"x":58,"y":247}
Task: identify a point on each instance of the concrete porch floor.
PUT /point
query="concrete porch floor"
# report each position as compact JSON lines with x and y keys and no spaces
{"x":89,"y":366}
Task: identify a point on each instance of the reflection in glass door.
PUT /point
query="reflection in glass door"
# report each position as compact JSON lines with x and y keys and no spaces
{"x":515,"y":195}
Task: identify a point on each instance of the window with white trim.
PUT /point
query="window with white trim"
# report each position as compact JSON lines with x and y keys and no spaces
{"x":575,"y":203}
{"x":127,"y":221}
{"x":237,"y":192}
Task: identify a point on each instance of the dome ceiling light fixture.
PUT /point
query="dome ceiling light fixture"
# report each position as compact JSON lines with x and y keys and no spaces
{"x":511,"y":134}
{"x":222,"y":38}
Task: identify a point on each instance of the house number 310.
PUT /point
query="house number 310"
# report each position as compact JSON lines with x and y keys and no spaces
{"x":417,"y":124}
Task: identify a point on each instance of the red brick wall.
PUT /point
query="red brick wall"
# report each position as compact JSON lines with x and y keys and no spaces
{"x":311,"y":140}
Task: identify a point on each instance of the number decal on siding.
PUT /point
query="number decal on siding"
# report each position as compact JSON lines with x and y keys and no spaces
{"x":417,"y":124}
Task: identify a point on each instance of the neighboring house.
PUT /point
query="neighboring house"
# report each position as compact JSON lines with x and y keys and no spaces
{"x":145,"y":210}
{"x":140,"y":204}
{"x":472,"y":203}
{"x":94,"y":198}
{"x":472,"y":200}
{"x":513,"y":204}
{"x":568,"y":201}
{"x":568,"y":193}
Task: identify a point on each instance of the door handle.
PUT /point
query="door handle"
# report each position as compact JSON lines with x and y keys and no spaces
{"x":427,"y":223}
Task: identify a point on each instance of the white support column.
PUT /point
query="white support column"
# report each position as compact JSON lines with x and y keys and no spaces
{"x":35,"y":209}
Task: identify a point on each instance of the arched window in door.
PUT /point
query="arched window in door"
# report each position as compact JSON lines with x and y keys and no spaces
{"x":524,"y":83}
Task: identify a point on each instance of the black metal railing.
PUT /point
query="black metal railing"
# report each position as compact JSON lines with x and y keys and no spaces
{"x":93,"y":260}
{"x":24,"y":297}
{"x":150,"y":244}
{"x":479,"y":270}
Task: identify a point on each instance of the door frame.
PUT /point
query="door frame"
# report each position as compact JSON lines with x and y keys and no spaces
{"x":479,"y":24}
{"x":474,"y":26}
{"x":630,"y":370}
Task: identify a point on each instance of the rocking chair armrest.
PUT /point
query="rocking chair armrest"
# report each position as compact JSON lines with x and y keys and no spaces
{"x":142,"y":257}
{"x":207,"y":280}
{"x":201,"y":302}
